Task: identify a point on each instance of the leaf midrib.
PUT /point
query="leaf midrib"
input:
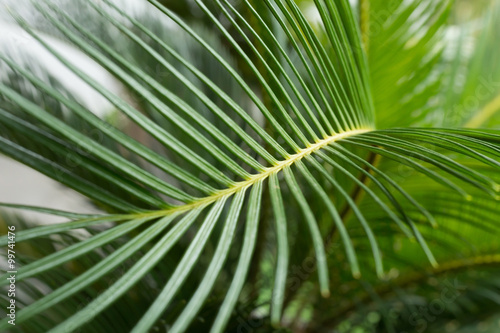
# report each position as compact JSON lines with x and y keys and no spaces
{"x":253,"y":179}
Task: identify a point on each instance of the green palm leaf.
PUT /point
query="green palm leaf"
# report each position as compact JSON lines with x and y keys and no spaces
{"x":243,"y":178}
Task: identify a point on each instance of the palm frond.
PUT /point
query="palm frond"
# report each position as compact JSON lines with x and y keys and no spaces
{"x":211,"y":180}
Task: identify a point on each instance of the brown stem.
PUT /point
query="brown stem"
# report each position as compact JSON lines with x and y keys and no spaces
{"x":410,"y":279}
{"x":364,"y":22}
{"x":356,"y":196}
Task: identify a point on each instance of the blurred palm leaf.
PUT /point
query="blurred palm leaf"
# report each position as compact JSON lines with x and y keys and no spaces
{"x":247,"y":151}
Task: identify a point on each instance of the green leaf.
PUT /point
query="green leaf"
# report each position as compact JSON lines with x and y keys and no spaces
{"x":219,"y":199}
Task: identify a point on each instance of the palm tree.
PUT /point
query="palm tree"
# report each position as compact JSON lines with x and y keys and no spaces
{"x":258,"y":170}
